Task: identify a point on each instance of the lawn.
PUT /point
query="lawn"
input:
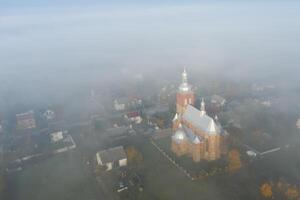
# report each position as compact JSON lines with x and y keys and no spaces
{"x":66,"y":176}
{"x":61,"y":177}
{"x":164,"y":181}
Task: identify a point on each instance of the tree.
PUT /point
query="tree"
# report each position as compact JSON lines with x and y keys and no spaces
{"x":266,"y":190}
{"x":280,"y":185}
{"x":235,"y":136}
{"x":133,"y":156}
{"x":160,"y":123}
{"x":292,"y":193}
{"x":234,"y":160}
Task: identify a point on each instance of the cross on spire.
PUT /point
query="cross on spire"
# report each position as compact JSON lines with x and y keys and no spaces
{"x":184,"y":75}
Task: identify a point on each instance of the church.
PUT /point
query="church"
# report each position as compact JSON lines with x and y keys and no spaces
{"x":195,"y":133}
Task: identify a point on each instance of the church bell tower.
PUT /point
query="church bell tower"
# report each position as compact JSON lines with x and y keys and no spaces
{"x":185,"y":95}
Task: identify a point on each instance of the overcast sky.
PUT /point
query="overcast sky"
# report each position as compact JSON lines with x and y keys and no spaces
{"x":61,"y":33}
{"x":60,"y":38}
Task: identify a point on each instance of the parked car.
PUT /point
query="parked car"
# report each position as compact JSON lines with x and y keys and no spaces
{"x":121,"y":187}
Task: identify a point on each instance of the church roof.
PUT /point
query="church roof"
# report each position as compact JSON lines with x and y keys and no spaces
{"x":112,"y":154}
{"x":197,"y":119}
{"x":196,"y":140}
{"x":184,"y":133}
{"x":179,"y":135}
{"x":212,"y":128}
{"x":175,"y":117}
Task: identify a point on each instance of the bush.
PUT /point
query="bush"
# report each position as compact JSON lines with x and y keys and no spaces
{"x":133,"y":156}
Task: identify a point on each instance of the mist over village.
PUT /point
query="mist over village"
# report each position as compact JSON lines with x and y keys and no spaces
{"x":149,"y":100}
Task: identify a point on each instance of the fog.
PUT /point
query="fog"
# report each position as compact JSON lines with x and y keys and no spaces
{"x":57,"y":54}
{"x":61,"y":45}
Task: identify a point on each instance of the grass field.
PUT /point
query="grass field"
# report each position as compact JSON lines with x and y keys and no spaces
{"x":165,"y":181}
{"x":61,"y":177}
{"x":66,"y":176}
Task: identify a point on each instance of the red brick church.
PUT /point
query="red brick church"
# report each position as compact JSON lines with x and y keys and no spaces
{"x":195,"y":133}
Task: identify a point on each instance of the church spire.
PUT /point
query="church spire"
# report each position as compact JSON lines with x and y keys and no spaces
{"x":216,"y":118}
{"x":184,"y":76}
{"x":184,"y":87}
{"x":202,"y":109}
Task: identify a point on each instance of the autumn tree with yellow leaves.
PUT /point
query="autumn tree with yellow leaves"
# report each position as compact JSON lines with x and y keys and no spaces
{"x":133,"y":156}
{"x":266,"y":190}
{"x":280,"y":191}
{"x":292,"y":193}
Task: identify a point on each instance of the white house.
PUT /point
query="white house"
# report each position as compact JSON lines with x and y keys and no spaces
{"x":124,"y":103}
{"x":49,"y":114}
{"x":251,"y":154}
{"x":118,"y":105}
{"x":112,"y":158}
{"x":56,"y":136}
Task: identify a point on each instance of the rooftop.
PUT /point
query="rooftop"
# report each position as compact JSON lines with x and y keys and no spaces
{"x":199,"y":120}
{"x":26,"y":115}
{"x":112,"y":154}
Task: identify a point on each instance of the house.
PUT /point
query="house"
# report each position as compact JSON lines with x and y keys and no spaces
{"x":125,"y":103}
{"x":112,"y":158}
{"x":49,"y":114}
{"x":218,"y":100}
{"x":26,"y":120}
{"x":56,"y":136}
{"x":158,"y":109}
{"x":115,"y":132}
{"x":266,"y":103}
{"x":262,"y":88}
{"x":119,"y":105}
{"x":134,"y":117}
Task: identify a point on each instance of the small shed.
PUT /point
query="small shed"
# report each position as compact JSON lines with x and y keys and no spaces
{"x":56,"y":136}
{"x":112,"y":158}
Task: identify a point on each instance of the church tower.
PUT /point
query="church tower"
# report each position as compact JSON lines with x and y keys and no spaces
{"x":185,"y":95}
